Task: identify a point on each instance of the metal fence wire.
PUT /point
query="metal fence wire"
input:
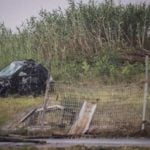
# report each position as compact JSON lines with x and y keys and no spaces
{"x":119,"y":108}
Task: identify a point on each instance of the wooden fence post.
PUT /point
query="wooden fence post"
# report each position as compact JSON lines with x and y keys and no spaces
{"x":145,"y":93}
{"x":46,"y":98}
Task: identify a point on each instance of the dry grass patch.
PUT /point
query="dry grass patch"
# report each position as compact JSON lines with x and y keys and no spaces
{"x":10,"y":106}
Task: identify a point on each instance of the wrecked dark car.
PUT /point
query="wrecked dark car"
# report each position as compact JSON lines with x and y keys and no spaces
{"x":24,"y":78}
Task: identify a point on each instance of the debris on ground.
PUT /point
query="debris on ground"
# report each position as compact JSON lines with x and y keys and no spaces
{"x":36,"y":111}
{"x":20,"y":139}
{"x":79,"y":127}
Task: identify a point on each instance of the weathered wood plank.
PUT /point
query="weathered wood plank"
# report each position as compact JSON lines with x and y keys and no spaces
{"x":83,"y":121}
{"x":28,"y":115}
{"x":50,"y":108}
{"x":34,"y":111}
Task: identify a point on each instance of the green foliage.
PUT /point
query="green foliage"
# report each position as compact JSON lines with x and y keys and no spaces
{"x":85,"y":39}
{"x":85,"y":67}
{"x":129,"y":70}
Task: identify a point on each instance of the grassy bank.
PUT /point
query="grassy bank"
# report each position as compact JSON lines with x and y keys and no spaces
{"x":97,"y":43}
{"x":12,"y":107}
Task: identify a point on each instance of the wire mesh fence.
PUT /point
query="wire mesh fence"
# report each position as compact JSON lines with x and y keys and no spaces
{"x":119,"y":108}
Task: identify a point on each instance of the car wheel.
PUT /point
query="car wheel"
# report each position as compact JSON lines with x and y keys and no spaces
{"x":5,"y":93}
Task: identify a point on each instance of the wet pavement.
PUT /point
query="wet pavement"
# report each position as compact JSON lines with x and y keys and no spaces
{"x":99,"y":142}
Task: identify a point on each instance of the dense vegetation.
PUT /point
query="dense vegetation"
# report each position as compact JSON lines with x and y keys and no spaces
{"x":85,"y":40}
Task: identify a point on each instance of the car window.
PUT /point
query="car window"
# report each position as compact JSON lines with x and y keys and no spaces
{"x":11,"y":69}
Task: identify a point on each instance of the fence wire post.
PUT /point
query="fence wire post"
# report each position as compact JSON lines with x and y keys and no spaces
{"x":46,"y":98}
{"x":145,"y":93}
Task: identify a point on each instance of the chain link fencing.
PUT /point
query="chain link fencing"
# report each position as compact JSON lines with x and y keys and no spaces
{"x":118,"y":112}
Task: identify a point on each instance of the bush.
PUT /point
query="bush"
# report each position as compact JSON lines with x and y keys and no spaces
{"x":86,"y":39}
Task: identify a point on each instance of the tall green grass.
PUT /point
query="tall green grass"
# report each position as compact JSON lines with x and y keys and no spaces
{"x":84,"y":40}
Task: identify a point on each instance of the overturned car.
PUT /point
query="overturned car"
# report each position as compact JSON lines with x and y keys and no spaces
{"x":24,"y":78}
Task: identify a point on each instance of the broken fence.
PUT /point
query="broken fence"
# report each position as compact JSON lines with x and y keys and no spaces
{"x":118,"y":108}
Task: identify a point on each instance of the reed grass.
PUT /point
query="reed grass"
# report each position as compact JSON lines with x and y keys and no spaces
{"x":84,"y":39}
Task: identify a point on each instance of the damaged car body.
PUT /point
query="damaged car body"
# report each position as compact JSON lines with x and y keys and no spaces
{"x":24,"y":78}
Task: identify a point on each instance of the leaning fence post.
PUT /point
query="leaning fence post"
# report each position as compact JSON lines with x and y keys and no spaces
{"x":46,"y":98}
{"x":145,"y":93}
